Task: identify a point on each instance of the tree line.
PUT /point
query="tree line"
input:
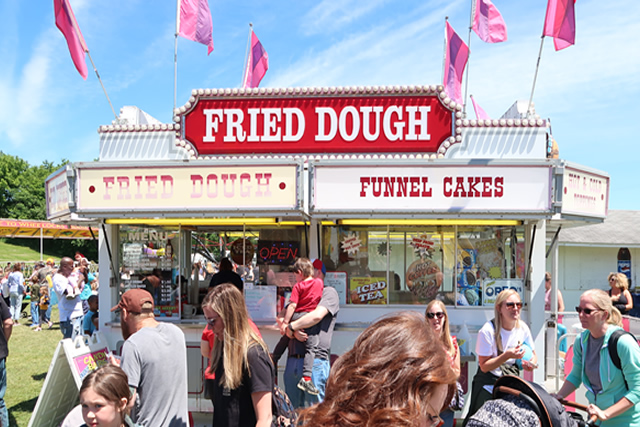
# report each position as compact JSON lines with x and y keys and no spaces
{"x":22,"y":196}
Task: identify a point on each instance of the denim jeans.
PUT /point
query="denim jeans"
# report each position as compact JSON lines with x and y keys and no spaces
{"x":4,"y":414}
{"x":71,"y":328}
{"x":16,"y":306}
{"x":292,"y":375}
{"x":35,"y":313}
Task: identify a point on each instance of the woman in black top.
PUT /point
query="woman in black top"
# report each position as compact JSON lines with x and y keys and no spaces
{"x":619,"y":292}
{"x":242,"y":389}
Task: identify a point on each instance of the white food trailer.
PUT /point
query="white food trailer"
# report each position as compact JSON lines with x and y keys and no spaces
{"x":402,"y":198}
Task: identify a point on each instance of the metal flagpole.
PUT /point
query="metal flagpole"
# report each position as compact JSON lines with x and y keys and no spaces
{"x":535,"y":77}
{"x":175,"y":58}
{"x":444,"y":57}
{"x":246,"y":58}
{"x":466,"y":78}
{"x":86,"y":49}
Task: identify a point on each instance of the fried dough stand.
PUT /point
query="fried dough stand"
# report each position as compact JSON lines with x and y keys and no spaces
{"x":402,"y":198}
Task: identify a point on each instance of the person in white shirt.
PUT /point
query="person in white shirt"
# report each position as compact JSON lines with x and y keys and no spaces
{"x":69,"y":303}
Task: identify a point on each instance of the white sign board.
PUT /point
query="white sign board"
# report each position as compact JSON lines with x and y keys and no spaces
{"x":584,"y":193}
{"x":432,"y":188}
{"x":491,"y":288}
{"x":337,"y":280}
{"x":261,"y":302}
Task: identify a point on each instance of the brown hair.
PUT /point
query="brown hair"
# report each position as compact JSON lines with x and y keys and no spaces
{"x":227,"y":301}
{"x":445,"y":335}
{"x":111,"y":383}
{"x":17,"y":266}
{"x":601,"y":300}
{"x":304,"y":266}
{"x":387,"y":378}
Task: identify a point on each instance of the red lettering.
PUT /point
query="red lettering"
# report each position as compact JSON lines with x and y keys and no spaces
{"x":425,"y":192}
{"x":459,"y":191}
{"x":473,"y":181}
{"x":402,"y":186}
{"x":377,"y":186}
{"x":486,"y":186}
{"x":447,"y":183}
{"x":499,"y":183}
{"x":388,"y":188}
{"x":364,"y":182}
{"x":415,"y":186}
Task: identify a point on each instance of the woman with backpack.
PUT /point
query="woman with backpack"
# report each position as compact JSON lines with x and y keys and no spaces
{"x":244,"y":375}
{"x":613,"y":393}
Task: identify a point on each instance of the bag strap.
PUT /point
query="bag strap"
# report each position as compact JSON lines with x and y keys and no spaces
{"x":613,"y":349}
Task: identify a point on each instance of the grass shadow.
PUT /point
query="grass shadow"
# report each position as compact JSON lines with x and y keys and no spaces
{"x":39,"y":377}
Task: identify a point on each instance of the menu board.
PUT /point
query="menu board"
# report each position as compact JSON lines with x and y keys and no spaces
{"x":148,"y":262}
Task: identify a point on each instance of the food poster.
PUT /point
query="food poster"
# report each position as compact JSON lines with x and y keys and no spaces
{"x":148,"y":259}
{"x":490,"y":258}
{"x":369,"y":290}
{"x":493,"y":287}
{"x":424,"y":279}
{"x":88,"y":363}
{"x":468,"y":280}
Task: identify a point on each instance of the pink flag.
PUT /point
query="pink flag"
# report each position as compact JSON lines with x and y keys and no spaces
{"x":488,"y":23}
{"x":66,"y":23}
{"x":455,"y":59}
{"x":560,"y":23}
{"x":257,"y":63}
{"x":480,"y":113}
{"x":195,"y":22}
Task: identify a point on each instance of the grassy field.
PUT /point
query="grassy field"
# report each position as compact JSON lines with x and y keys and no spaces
{"x":10,"y":253}
{"x":30,"y":354}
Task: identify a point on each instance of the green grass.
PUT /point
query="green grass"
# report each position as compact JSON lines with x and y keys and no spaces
{"x":30,"y":354}
{"x":10,"y":252}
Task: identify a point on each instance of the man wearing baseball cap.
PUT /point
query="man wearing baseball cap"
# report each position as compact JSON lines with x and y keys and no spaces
{"x":154,"y":357}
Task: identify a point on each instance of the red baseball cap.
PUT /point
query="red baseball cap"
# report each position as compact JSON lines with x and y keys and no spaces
{"x":319,"y":265}
{"x":133,"y":300}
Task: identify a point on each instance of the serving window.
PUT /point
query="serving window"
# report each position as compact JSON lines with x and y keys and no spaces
{"x":464,"y":266}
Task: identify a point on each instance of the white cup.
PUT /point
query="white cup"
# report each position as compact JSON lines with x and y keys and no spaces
{"x":188,"y":311}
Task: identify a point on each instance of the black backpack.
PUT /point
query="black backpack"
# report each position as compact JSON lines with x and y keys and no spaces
{"x":284,"y":414}
{"x":613,"y":349}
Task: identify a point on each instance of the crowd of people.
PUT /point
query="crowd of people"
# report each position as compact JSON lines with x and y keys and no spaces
{"x":402,"y":370}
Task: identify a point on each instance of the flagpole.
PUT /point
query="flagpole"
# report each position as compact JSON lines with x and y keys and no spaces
{"x":535,"y":77}
{"x":444,"y":56}
{"x":175,"y":57}
{"x":466,"y":78}
{"x":86,"y":49}
{"x":246,"y":57}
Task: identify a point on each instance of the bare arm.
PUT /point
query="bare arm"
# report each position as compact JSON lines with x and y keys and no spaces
{"x":310,"y":319}
{"x":291,"y":308}
{"x":489,"y":363}
{"x":7,"y":328}
{"x":205,"y":349}
{"x":262,"y":407}
{"x":627,"y":295}
{"x":612,"y":411}
{"x":566,"y":389}
{"x":560,"y":302}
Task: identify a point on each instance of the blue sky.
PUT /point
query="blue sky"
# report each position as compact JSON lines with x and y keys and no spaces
{"x":589,"y":91}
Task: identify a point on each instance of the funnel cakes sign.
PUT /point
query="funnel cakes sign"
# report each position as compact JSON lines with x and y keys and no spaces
{"x":317,"y":120}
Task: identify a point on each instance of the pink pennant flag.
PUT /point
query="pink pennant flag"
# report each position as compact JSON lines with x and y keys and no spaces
{"x":455,"y":59}
{"x":488,"y":23}
{"x":66,"y":23}
{"x":480,"y":113}
{"x":194,"y":22}
{"x":560,"y":23}
{"x":257,"y":63}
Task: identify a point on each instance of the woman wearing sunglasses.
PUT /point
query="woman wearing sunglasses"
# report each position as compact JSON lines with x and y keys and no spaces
{"x":438,"y":318}
{"x":244,"y":374}
{"x":501,"y":341}
{"x":619,"y":292}
{"x":393,"y":376}
{"x":611,"y":400}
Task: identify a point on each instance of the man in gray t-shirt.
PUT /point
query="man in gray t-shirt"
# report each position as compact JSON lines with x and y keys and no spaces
{"x":325,"y":314}
{"x":154,"y":357}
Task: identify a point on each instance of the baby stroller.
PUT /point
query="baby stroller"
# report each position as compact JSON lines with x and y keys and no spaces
{"x":517,"y":402}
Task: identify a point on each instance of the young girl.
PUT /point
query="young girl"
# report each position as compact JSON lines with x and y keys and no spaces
{"x":104,"y":396}
{"x":44,"y":307}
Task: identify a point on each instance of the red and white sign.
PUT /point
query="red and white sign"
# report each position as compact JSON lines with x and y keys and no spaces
{"x":313,"y":124}
{"x":432,"y":188}
{"x":204,"y":188}
{"x":584,"y":193}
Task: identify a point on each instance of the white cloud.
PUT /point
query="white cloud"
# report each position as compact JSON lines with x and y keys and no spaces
{"x":330,"y":15}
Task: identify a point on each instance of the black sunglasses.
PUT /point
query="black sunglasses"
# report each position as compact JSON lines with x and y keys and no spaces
{"x":211,"y":322}
{"x":514,"y":304}
{"x":439,"y":315}
{"x":586,"y":311}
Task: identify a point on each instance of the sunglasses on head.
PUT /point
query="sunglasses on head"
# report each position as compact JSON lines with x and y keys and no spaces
{"x":438,"y":314}
{"x":586,"y":311}
{"x":514,"y":304}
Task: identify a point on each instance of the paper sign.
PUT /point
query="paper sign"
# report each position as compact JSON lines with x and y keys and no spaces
{"x":338,"y":281}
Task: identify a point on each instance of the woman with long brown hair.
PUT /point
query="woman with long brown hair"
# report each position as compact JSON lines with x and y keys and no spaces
{"x":393,"y":376}
{"x":438,"y":318}
{"x":244,"y":374}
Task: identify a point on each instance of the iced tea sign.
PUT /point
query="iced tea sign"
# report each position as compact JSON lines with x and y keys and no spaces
{"x":352,"y":121}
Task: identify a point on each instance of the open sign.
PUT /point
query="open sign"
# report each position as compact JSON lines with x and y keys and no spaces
{"x":492,"y":288}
